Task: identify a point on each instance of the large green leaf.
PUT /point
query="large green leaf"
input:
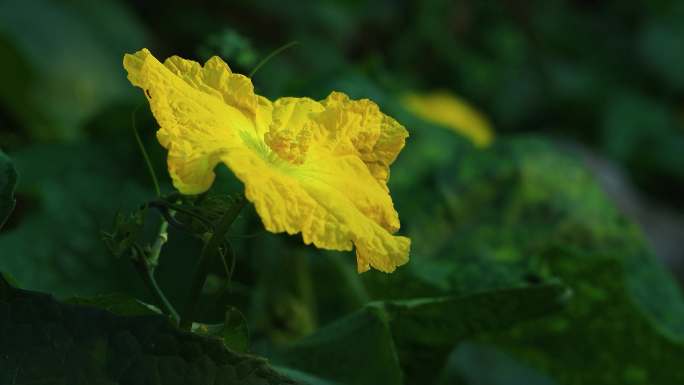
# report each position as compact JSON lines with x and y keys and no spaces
{"x":69,"y":194}
{"x":8,"y":181}
{"x":357,"y":349}
{"x":525,"y":211}
{"x":441,"y":321}
{"x":425,"y":330}
{"x":476,"y":363}
{"x":404,"y":341}
{"x":47,"y":342}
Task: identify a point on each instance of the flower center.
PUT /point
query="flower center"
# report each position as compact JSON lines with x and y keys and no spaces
{"x":289,"y":144}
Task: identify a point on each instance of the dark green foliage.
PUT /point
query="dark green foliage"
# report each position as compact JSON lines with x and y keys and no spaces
{"x":46,"y":342}
{"x":424,"y":329}
{"x":476,"y":363}
{"x":233,"y":331}
{"x":525,"y":207}
{"x":385,"y":338}
{"x":118,"y":304}
{"x":522,"y":213}
{"x":122,"y":239}
{"x":8,"y":181}
{"x":357,"y":349}
{"x":69,"y":194}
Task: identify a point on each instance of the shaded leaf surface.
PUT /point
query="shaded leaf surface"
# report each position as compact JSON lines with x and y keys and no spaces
{"x":357,"y":349}
{"x":70,"y":193}
{"x":395,"y":342}
{"x":473,"y":363}
{"x":47,"y":342}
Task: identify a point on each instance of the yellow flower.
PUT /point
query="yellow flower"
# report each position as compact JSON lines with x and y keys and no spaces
{"x":448,"y":110}
{"x":319,"y":168}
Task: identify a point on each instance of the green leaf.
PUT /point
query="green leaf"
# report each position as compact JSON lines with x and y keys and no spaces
{"x":7,"y":283}
{"x":122,"y":239}
{"x":71,"y":192}
{"x":368,"y":346}
{"x":425,"y":330}
{"x":306,"y":378}
{"x":8,"y":180}
{"x":645,"y":134}
{"x":446,"y":320}
{"x":119,"y":304}
{"x":525,"y":211}
{"x":234,"y":331}
{"x":228,"y":43}
{"x":357,"y":349}
{"x":657,"y":43}
{"x":47,"y":342}
{"x":475,"y":363}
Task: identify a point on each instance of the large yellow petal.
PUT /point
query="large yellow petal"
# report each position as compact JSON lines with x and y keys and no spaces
{"x":358,"y":126}
{"x":329,"y":195}
{"x":197,"y":125}
{"x":316,"y":168}
{"x":334,"y":203}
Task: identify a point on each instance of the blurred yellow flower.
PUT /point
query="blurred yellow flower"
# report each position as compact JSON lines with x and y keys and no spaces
{"x":319,"y":168}
{"x":446,"y":109}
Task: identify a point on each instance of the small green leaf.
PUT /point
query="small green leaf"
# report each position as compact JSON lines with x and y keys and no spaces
{"x":234,"y":331}
{"x":121,"y":241}
{"x":8,"y":181}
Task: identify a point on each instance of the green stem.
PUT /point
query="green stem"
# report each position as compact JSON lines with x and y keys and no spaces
{"x":209,"y":251}
{"x":150,"y":168}
{"x":147,"y":273}
{"x":271,"y":55}
{"x":162,"y":238}
{"x":180,"y":209}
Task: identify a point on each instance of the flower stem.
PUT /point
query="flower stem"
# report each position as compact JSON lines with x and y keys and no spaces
{"x":148,"y":162}
{"x":271,"y":56}
{"x":146,"y":264}
{"x":162,"y":238}
{"x":146,"y":271}
{"x":209,"y":251}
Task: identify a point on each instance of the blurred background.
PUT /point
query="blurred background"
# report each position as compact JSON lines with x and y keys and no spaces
{"x":603,"y":77}
{"x":601,"y":80}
